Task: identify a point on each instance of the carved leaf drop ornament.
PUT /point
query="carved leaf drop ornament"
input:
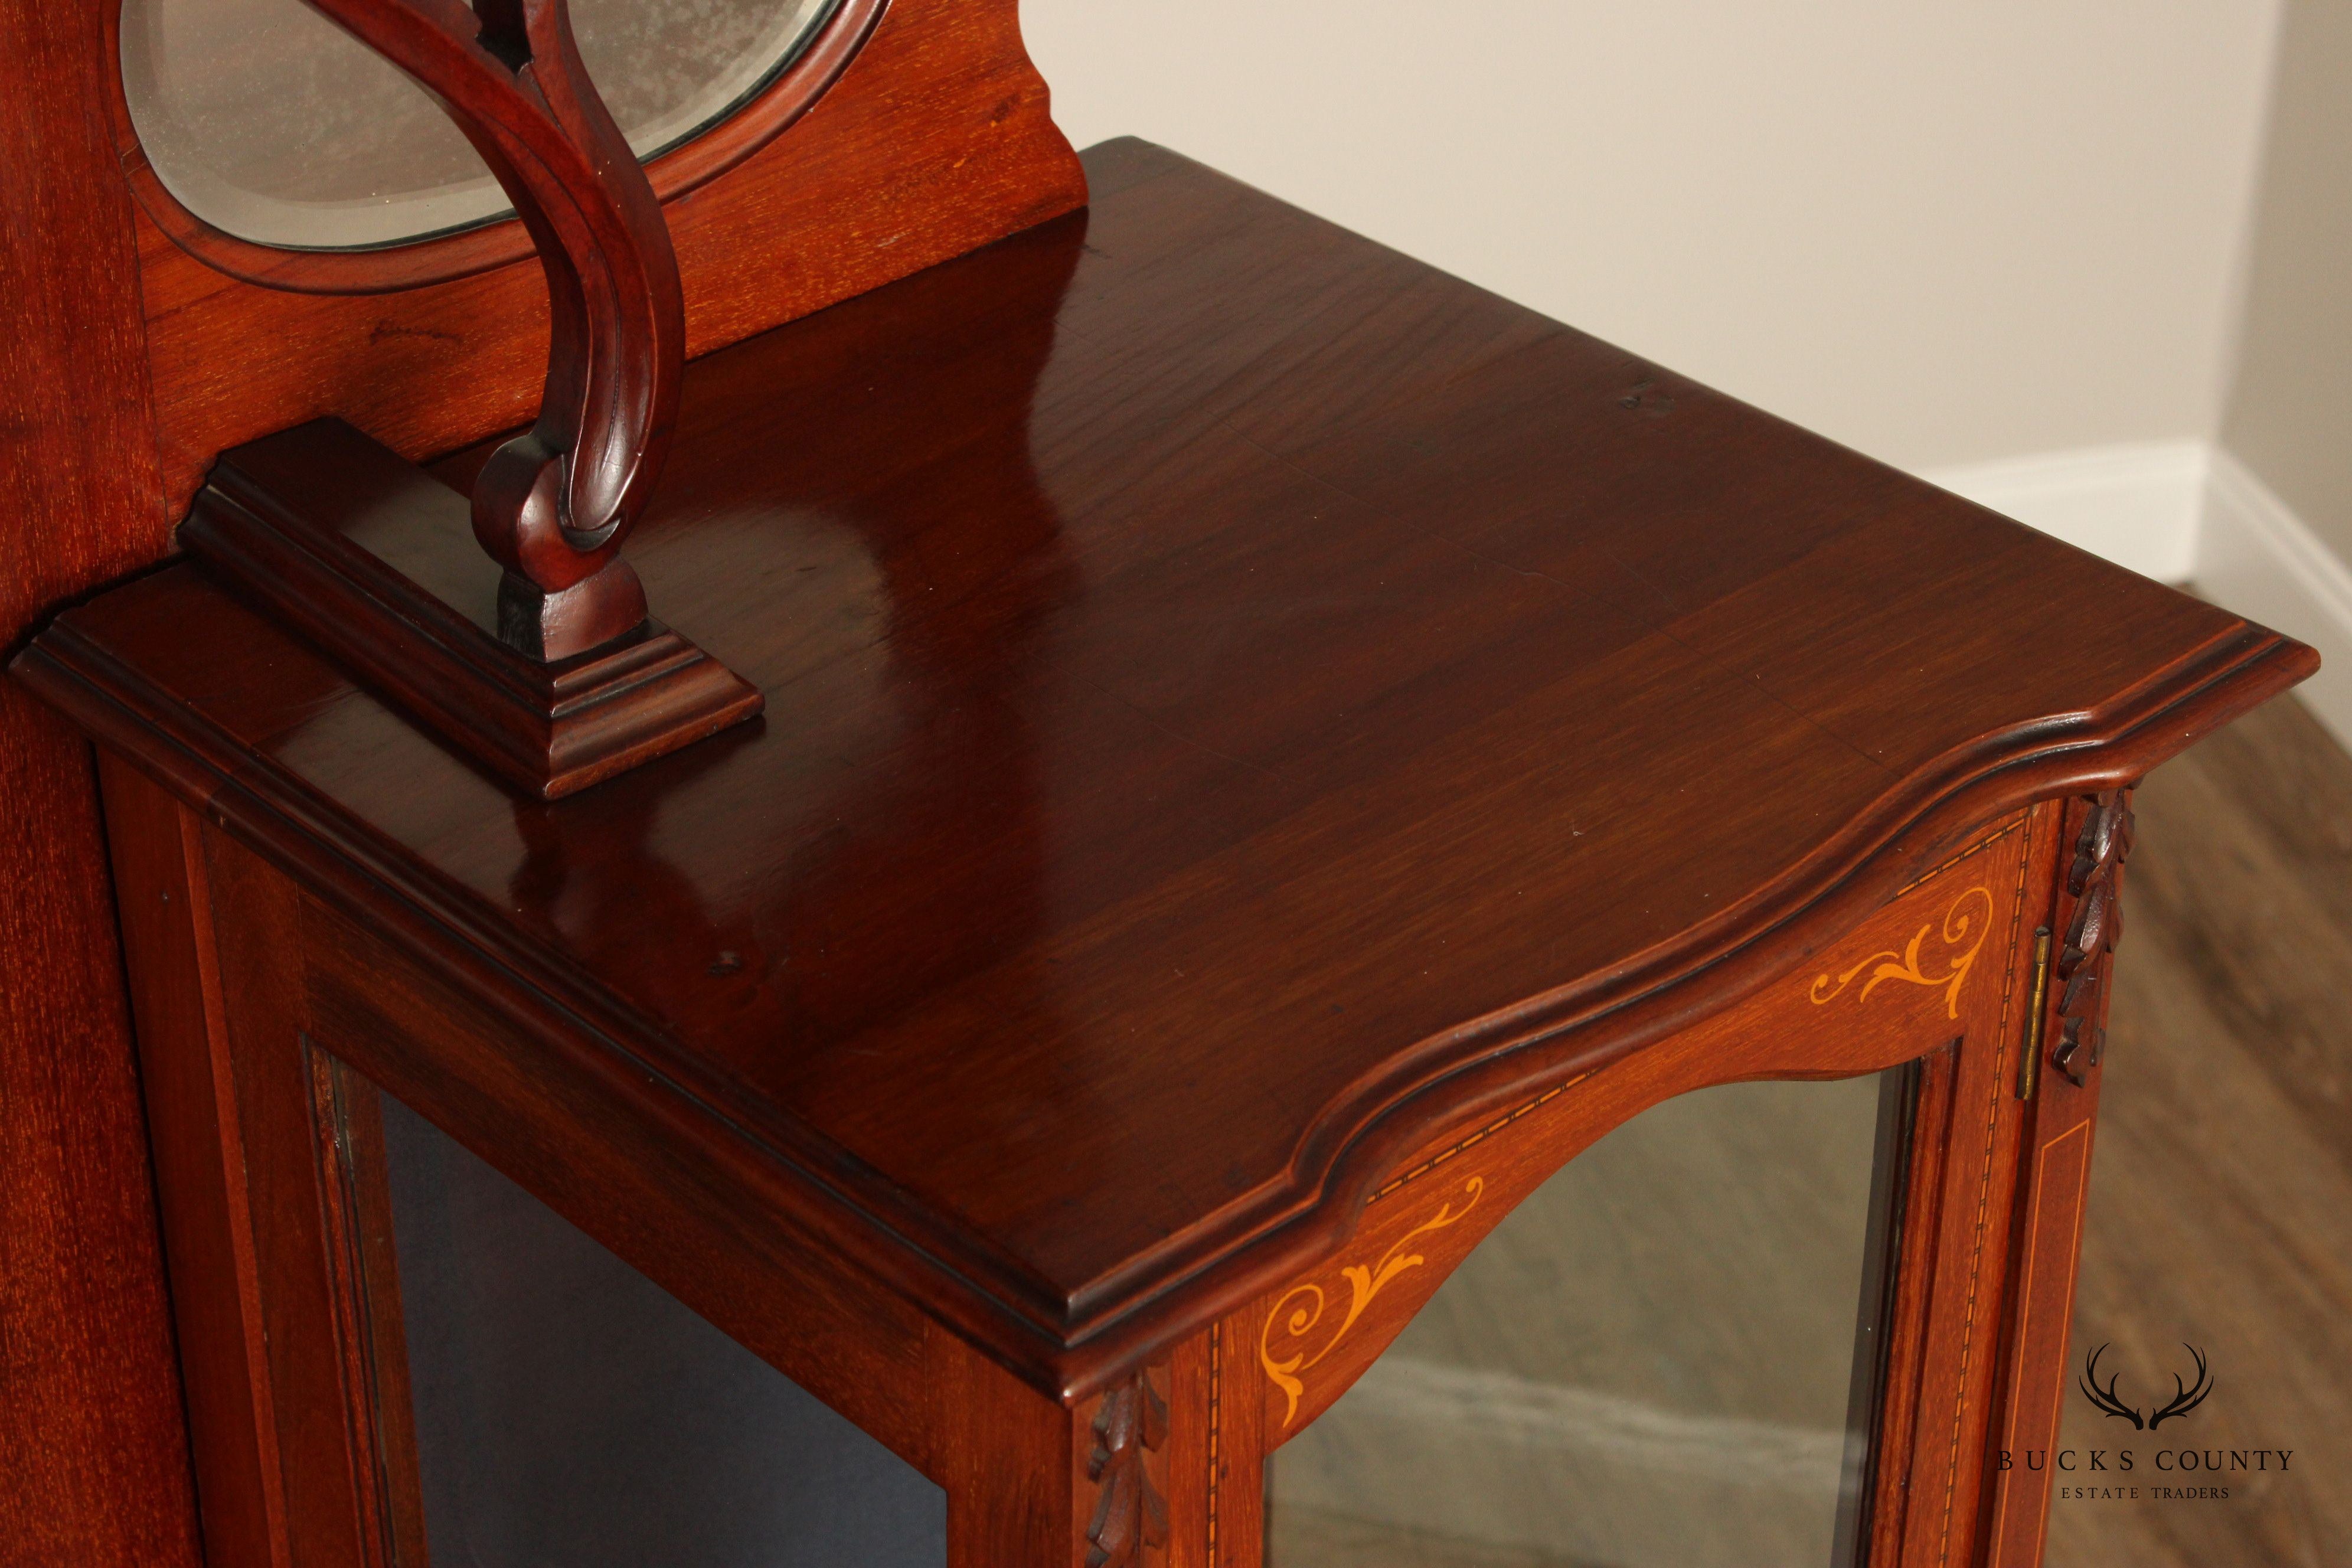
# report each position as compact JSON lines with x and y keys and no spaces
{"x":2093,"y":880}
{"x":1131,"y":1515}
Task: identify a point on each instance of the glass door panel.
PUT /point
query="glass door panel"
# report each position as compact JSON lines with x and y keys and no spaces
{"x":566,"y":1410}
{"x":1666,"y":1357}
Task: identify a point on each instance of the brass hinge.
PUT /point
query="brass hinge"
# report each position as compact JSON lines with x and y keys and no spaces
{"x":2029,"y":1068}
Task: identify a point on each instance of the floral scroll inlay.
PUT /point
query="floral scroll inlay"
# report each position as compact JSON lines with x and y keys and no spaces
{"x":1296,"y":1315}
{"x":1969,"y":920}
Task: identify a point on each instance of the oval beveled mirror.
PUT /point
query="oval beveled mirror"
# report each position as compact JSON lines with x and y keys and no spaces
{"x":268,"y":123}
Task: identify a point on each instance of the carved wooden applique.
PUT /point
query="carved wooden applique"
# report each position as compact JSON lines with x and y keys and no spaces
{"x":2092,"y":881}
{"x":554,"y":504}
{"x":540,"y":663}
{"x":1130,"y":1518}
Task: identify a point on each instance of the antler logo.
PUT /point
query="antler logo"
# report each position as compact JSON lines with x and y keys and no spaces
{"x":2185,"y":1398}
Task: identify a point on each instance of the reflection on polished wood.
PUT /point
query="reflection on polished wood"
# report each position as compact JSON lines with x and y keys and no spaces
{"x":1027,"y":821}
{"x":933,"y":139}
{"x":1248,"y":716}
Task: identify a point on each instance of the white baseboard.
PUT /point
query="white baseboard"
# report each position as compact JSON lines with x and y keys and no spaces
{"x":2139,"y":506}
{"x":2256,"y":557}
{"x":2184,"y":511}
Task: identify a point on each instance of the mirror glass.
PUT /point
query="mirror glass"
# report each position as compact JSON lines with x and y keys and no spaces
{"x":269,"y":123}
{"x":567,"y":1410}
{"x":1666,"y":1357}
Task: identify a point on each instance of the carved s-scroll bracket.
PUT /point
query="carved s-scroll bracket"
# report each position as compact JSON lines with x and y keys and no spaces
{"x":553,"y":505}
{"x":2094,"y":882}
{"x":548,"y":672}
{"x":1131,"y":1428}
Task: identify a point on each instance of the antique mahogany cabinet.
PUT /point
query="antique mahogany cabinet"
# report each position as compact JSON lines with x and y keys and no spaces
{"x":1246,"y":905}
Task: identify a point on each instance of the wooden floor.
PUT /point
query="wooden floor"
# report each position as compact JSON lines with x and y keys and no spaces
{"x":2221,"y":1188}
{"x":1552,"y":1410}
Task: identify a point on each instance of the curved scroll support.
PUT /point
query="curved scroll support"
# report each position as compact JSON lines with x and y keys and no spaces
{"x":553,"y":505}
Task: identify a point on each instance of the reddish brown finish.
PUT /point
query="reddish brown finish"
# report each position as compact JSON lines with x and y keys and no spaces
{"x":357,"y":1194}
{"x":1214,"y":1467}
{"x":1166,"y":658}
{"x":1964,"y":1012}
{"x":1009,"y":1458}
{"x":1902,"y":1439}
{"x":92,"y":1438}
{"x":2094,"y":880}
{"x":1956,"y":1256}
{"x":230,"y":1102}
{"x":1127,"y":1470}
{"x":318,"y":1453}
{"x":934,"y":140}
{"x":92,"y":1447}
{"x":167,"y":927}
{"x":371,"y":559}
{"x":1314,"y":1337}
{"x":548,"y":673}
{"x":554,"y":505}
{"x":2056,"y":1176}
{"x":674,"y":174}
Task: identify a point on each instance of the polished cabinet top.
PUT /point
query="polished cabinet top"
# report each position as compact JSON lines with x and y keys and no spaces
{"x":1236,"y":699}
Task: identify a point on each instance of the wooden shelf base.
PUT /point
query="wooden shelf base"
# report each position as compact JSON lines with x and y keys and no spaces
{"x":374,"y":560}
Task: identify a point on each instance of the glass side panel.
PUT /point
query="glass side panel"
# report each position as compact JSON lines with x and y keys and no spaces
{"x":269,"y":121}
{"x":1665,"y":1358}
{"x":569,"y":1411}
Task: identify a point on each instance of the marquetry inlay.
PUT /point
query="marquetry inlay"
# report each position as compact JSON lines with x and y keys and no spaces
{"x":1962,"y":934}
{"x":1298,"y":1316}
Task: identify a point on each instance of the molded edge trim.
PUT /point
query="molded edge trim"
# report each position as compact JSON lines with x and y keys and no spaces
{"x":1071,"y":1346}
{"x":547,"y":729}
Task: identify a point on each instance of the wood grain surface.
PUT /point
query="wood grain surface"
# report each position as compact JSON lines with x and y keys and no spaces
{"x":93,"y":1459}
{"x":1936,"y":963}
{"x":1239,"y":701}
{"x":99,"y":309}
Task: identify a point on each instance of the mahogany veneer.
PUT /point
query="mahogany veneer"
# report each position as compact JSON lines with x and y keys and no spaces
{"x":1264,"y":741}
{"x":364,"y":556}
{"x":137,"y":348}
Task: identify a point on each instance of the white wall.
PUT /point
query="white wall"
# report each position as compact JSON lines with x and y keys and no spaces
{"x":1941,"y":233}
{"x":2290,"y":412}
{"x":2277,"y":535}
